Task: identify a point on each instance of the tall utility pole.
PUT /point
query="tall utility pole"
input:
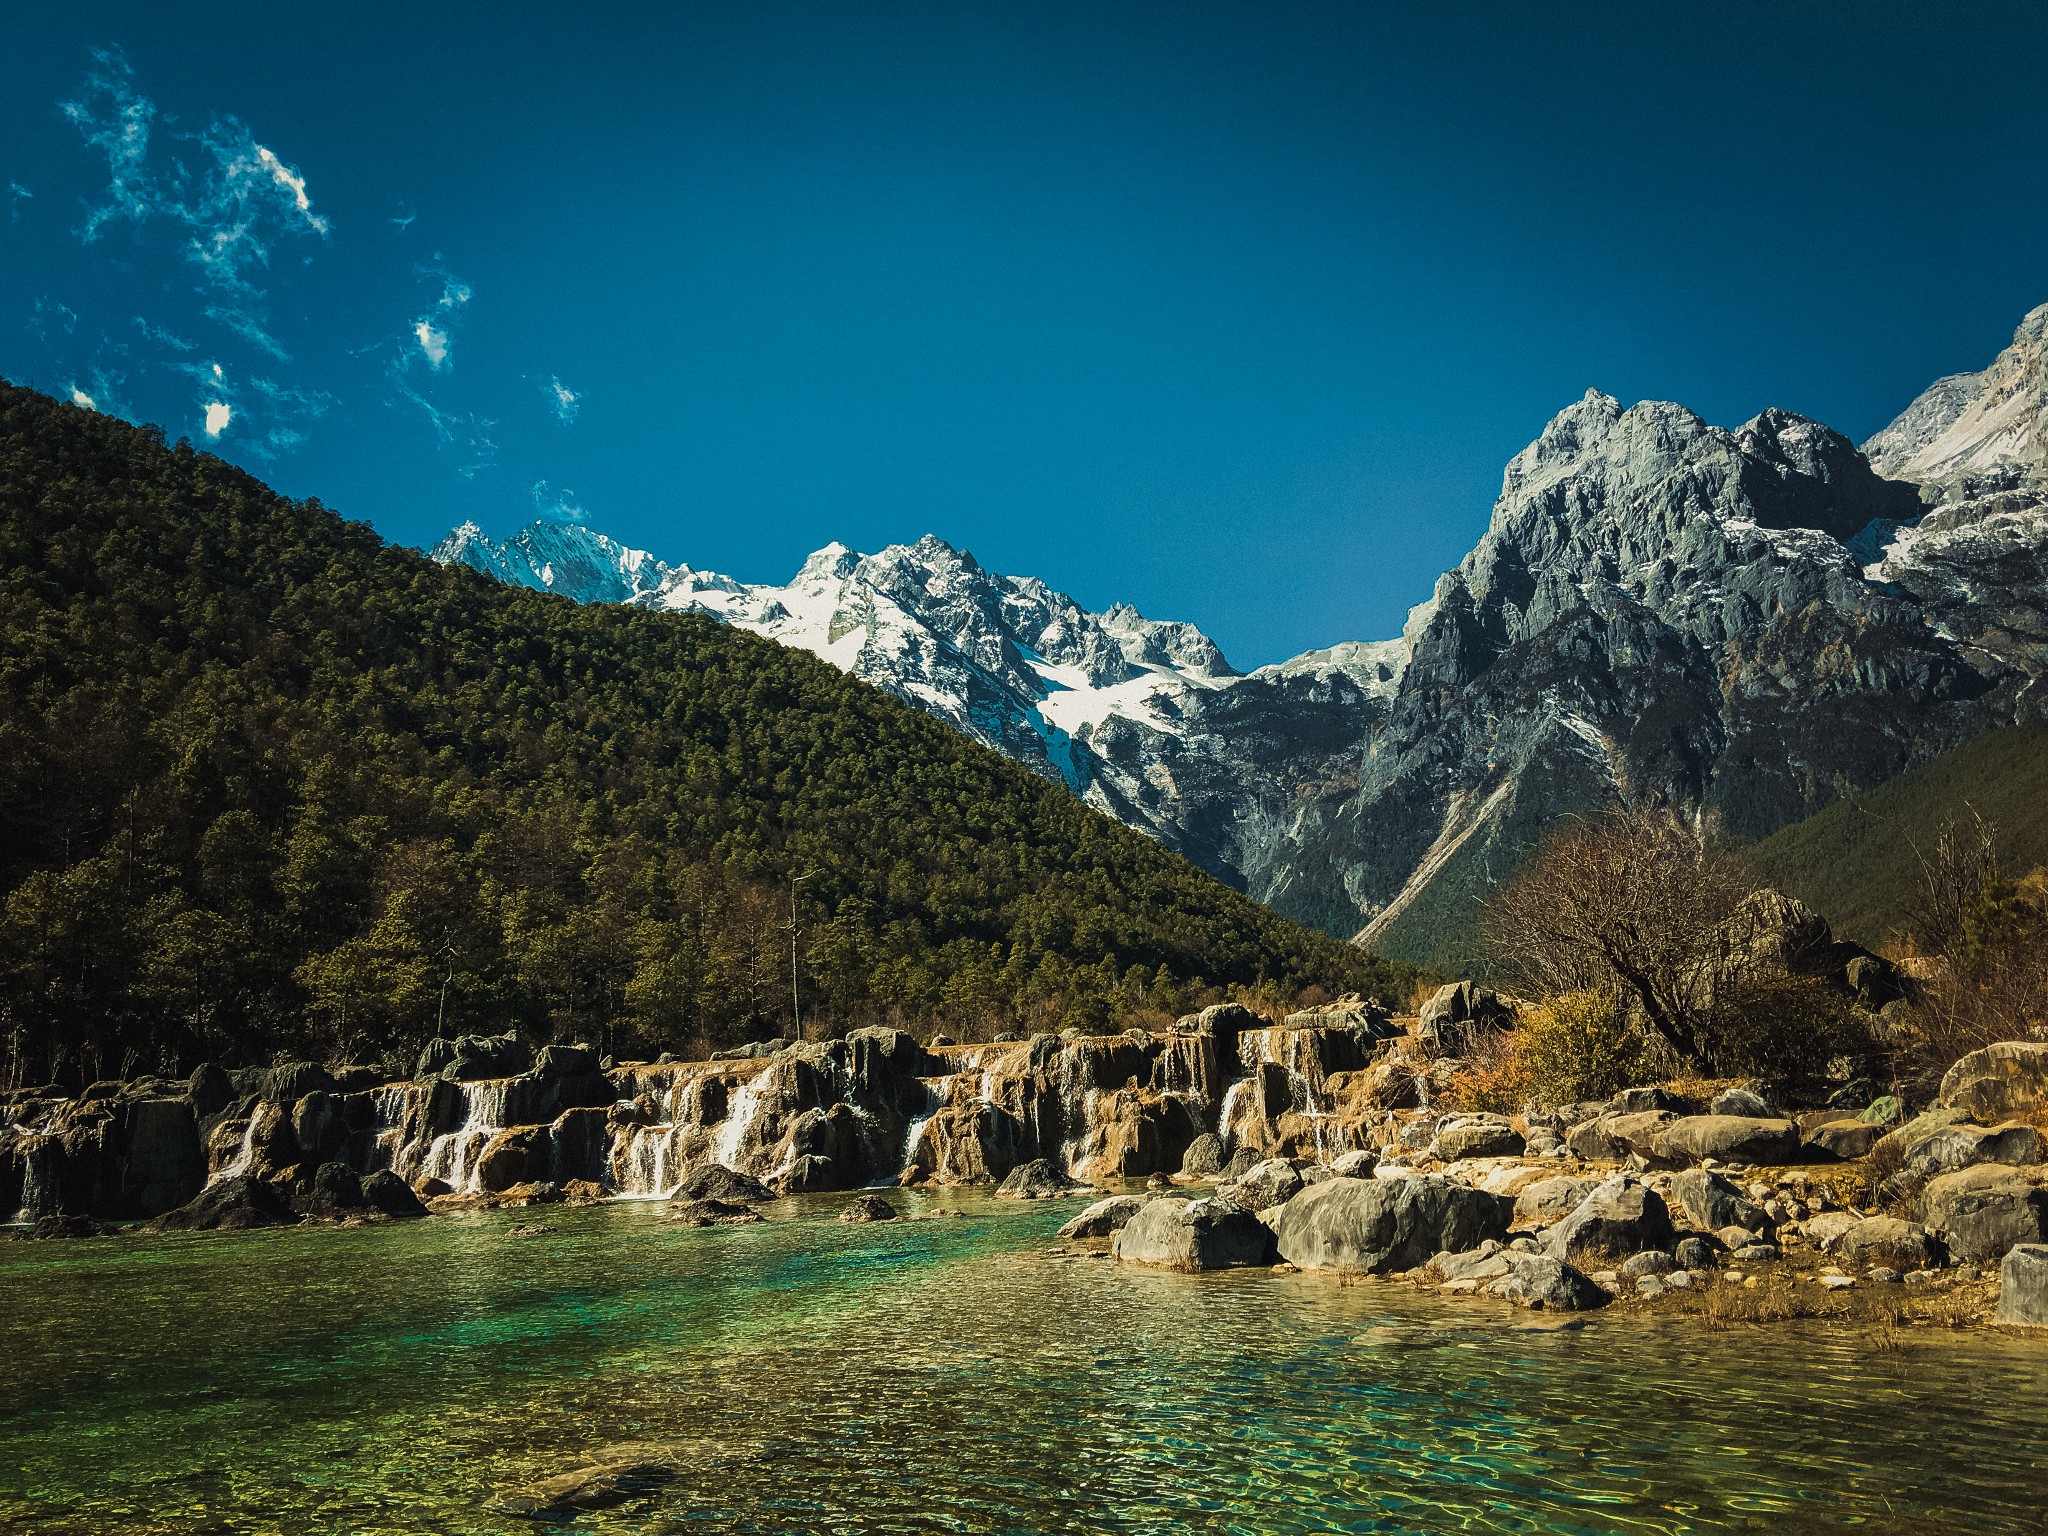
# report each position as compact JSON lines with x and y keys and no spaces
{"x":796,"y":1007}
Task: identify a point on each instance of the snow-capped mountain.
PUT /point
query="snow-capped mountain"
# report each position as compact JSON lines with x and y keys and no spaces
{"x":1742,"y":622}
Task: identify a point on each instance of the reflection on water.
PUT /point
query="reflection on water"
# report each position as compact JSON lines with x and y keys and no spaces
{"x":938,"y":1376}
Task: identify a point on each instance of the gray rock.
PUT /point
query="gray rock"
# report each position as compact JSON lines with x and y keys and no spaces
{"x":1886,"y":1240}
{"x":1710,"y":1202}
{"x":1612,"y":1137}
{"x":1545,"y":1283}
{"x":2008,"y":1078}
{"x":1190,"y":1235}
{"x":1489,"y":1261}
{"x":1845,"y":1139}
{"x":585,"y":1490}
{"x":229,"y":1205}
{"x":385,"y":1192}
{"x":1204,"y":1158}
{"x":1618,"y":1219}
{"x":1105,"y":1217}
{"x":715,"y":1181}
{"x":1652,"y":1261}
{"x":2023,"y":1287}
{"x":1981,"y":1213}
{"x":1740,"y":1102}
{"x":1271,"y":1183}
{"x":1694,"y":1252}
{"x":1734,"y":1237}
{"x":1242,"y":1162}
{"x":1650,"y":1285}
{"x":1965,"y":1146}
{"x":1377,"y":1225}
{"x":1548,"y":1200}
{"x":716,"y":1213}
{"x":1478,"y":1139}
{"x":1039,"y":1179}
{"x":1355,"y":1165}
{"x":1728,"y":1139}
{"x":868,"y":1208}
{"x":1755,"y":1253}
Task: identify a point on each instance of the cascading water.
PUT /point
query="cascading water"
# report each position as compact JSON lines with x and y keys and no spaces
{"x":745,"y":1108}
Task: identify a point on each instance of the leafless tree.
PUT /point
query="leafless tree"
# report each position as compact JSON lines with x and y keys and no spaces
{"x":1955,"y":870}
{"x":1637,"y":903}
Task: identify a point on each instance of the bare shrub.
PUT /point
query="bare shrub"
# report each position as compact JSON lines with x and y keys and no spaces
{"x":1788,"y":1028}
{"x":1994,"y":984}
{"x":1637,"y":905}
{"x":1495,"y":1077}
{"x":1954,"y":870}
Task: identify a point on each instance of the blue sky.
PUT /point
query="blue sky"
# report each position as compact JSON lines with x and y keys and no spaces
{"x":1231,"y":311}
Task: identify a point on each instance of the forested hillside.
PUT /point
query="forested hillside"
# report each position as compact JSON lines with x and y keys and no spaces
{"x":268,"y":783}
{"x":1858,"y":861}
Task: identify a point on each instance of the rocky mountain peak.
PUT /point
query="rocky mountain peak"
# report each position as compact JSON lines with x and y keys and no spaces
{"x":1987,"y":428}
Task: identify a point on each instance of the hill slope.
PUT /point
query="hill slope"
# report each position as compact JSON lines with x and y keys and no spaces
{"x":1856,"y":861}
{"x":268,"y":783}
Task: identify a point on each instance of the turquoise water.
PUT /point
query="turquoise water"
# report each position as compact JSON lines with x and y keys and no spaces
{"x":944,"y":1375}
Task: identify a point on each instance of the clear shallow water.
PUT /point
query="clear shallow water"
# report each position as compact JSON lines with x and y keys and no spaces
{"x":938,"y":1376}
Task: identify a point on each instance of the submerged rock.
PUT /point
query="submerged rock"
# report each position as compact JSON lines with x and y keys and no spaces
{"x":1191,"y":1235}
{"x":1543,"y":1282}
{"x":605,"y":1485}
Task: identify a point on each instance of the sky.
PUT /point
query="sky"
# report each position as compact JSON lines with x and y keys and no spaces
{"x":1231,"y":311}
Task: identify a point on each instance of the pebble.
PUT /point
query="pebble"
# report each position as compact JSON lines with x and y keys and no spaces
{"x":1882,"y":1276}
{"x":1649,"y":1285}
{"x":1678,"y":1279}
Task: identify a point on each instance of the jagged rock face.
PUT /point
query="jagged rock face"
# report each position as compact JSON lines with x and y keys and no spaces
{"x":1745,"y":621}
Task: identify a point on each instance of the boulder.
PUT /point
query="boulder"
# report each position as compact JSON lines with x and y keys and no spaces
{"x":1204,"y":1158}
{"x":2008,"y":1078}
{"x":1694,"y":1252}
{"x":1489,"y":1261}
{"x":1377,"y":1225}
{"x":1884,"y":1110}
{"x":868,"y":1208}
{"x":62,"y":1226}
{"x":1709,"y":1202}
{"x":1727,"y":1139}
{"x":1652,"y":1261}
{"x":471,"y":1058}
{"x":1965,"y":1146}
{"x":1105,"y":1217}
{"x":1888,"y":1241}
{"x":715,"y":1181}
{"x":1039,"y":1179}
{"x":1744,"y":1103}
{"x":2023,"y":1287}
{"x":210,"y":1089}
{"x":1477,"y":1138}
{"x":1543,"y":1282}
{"x":1548,"y":1200}
{"x":1355,"y":1165}
{"x":334,"y":1191}
{"x":524,"y":1154}
{"x":1271,"y":1183}
{"x":386,"y":1192}
{"x":1617,"y":1219}
{"x":1190,"y":1235}
{"x":319,"y":1126}
{"x":1455,"y":1011}
{"x":227,"y":1205}
{"x":1610,"y":1138}
{"x":1826,"y":1230}
{"x":565,"y":1061}
{"x":1980,"y":1213}
{"x":290,"y":1081}
{"x":1845,"y":1139}
{"x":714,"y":1213}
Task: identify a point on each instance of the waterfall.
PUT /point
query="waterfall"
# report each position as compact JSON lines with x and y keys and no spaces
{"x":644,"y":1163}
{"x":37,"y":1197}
{"x":740,"y":1116}
{"x":245,"y":1154}
{"x":452,"y":1157}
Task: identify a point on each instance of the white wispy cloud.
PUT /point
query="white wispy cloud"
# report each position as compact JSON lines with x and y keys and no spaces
{"x":218,"y":414}
{"x":47,"y":317}
{"x":80,"y":397}
{"x":232,"y":202}
{"x":556,"y":506}
{"x":433,"y":342}
{"x":565,"y":400}
{"x":17,"y":194}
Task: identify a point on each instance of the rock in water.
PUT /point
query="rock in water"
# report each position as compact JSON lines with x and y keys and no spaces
{"x":1191,"y":1235}
{"x":714,"y":1213}
{"x":1376,"y":1225}
{"x":1271,"y":1183}
{"x":1105,"y":1217}
{"x":868,"y":1208}
{"x":2023,"y":1287}
{"x":1204,"y":1159}
{"x":603,"y":1486}
{"x":715,"y":1181}
{"x":229,"y":1205}
{"x":385,"y":1191}
{"x":1039,"y":1179}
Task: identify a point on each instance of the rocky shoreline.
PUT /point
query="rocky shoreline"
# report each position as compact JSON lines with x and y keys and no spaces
{"x":1323,"y":1143}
